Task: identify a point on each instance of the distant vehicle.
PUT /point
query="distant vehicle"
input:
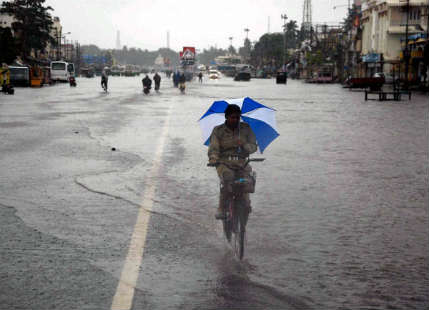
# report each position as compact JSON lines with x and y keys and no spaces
{"x":72,"y":81}
{"x":214,"y":74}
{"x":228,"y":70}
{"x":87,"y":72}
{"x":59,"y":71}
{"x":373,"y":83}
{"x":281,"y":77}
{"x":201,"y":68}
{"x":36,"y":76}
{"x":71,"y":70}
{"x":243,"y":73}
{"x":46,"y":75}
{"x":6,"y":87}
{"x":322,"y":74}
{"x":116,"y":71}
{"x":19,"y":76}
{"x":388,"y":78}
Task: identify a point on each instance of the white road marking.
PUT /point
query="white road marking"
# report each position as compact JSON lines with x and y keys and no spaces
{"x":123,"y":298}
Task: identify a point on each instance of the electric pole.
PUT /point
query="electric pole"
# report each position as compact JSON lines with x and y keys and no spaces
{"x":407,"y":51}
{"x":284,"y":18}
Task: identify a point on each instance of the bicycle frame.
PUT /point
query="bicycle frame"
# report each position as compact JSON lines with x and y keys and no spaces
{"x":236,"y":215}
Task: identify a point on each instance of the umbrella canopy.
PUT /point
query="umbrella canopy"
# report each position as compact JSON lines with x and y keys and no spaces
{"x":260,"y":118}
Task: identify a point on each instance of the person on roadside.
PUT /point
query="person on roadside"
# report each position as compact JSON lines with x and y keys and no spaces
{"x":231,"y":143}
{"x":200,"y":77}
{"x":176,"y":79}
{"x":157,"y":80}
{"x":147,"y":83}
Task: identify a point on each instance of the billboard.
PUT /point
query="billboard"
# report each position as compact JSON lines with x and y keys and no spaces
{"x":187,"y":56}
{"x":93,"y":59}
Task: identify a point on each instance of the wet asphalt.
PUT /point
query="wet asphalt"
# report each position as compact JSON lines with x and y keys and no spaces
{"x":340,"y":213}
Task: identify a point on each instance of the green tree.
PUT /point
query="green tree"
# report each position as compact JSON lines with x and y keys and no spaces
{"x":245,"y":50}
{"x":32,"y":25}
{"x":232,"y":50}
{"x":292,"y":34}
{"x":268,"y":50}
{"x":209,"y":55}
{"x":8,"y":50}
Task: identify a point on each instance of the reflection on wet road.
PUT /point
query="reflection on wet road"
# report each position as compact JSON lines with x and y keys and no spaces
{"x":339,"y":221}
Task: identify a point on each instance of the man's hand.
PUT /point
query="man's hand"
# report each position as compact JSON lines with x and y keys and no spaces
{"x":213,"y":161}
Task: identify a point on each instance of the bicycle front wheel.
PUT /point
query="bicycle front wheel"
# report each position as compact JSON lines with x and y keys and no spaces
{"x":239,"y":240}
{"x":227,"y":223}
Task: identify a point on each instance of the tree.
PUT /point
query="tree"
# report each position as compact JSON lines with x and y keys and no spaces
{"x":209,"y":55}
{"x":232,"y":50}
{"x":8,"y":50}
{"x":268,"y":49}
{"x":32,"y":25}
{"x":292,"y":34}
{"x":245,"y":50}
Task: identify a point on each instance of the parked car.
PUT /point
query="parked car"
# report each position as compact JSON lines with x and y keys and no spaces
{"x":214,"y":74}
{"x":388,"y":78}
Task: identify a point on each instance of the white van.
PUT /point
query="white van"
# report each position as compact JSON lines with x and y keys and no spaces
{"x":59,"y":71}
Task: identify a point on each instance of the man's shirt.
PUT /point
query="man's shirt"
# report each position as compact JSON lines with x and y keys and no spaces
{"x":223,"y":142}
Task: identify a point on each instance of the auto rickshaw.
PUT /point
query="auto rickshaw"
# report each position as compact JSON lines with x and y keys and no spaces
{"x":36,"y":76}
{"x":46,"y":75}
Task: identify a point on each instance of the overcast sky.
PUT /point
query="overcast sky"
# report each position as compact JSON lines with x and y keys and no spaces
{"x":199,"y":23}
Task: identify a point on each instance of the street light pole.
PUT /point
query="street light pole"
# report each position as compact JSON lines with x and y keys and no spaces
{"x":65,"y":47}
{"x":247,"y":32}
{"x":406,"y":51}
{"x":284,"y":18}
{"x":230,"y":41}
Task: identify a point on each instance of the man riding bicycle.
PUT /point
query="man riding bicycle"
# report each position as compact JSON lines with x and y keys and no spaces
{"x":104,"y":79}
{"x":230,"y":144}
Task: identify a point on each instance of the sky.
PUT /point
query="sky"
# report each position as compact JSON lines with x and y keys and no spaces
{"x":200,"y":23}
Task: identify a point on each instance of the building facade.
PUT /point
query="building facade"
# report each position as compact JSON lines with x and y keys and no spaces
{"x":384,"y":31}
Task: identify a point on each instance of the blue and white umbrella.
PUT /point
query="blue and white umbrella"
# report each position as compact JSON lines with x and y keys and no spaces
{"x":260,"y":118}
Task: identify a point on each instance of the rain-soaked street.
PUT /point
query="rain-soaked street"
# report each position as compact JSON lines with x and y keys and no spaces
{"x":340,"y":213}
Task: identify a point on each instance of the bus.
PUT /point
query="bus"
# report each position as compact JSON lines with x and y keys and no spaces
{"x":59,"y":71}
{"x":19,"y":75}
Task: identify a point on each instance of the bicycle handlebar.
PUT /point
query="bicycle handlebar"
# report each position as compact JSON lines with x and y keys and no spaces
{"x":247,"y":162}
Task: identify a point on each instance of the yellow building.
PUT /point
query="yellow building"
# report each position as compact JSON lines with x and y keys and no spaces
{"x":383,"y":27}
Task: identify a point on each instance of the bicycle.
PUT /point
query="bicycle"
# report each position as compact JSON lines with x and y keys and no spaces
{"x":237,"y":209}
{"x":104,"y":86}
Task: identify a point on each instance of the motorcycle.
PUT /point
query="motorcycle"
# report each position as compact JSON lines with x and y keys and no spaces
{"x":8,"y":89}
{"x":72,"y":82}
{"x":182,"y":87}
{"x":146,"y":90}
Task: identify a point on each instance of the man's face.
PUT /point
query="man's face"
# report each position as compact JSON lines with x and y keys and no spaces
{"x":232,"y":120}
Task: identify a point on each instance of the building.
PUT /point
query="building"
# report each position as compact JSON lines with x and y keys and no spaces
{"x":383,"y":27}
{"x":53,"y":50}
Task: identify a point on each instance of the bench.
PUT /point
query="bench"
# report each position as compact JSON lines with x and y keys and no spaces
{"x":387,"y":95}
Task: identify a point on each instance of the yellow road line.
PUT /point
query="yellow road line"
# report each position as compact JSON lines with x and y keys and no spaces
{"x":124,"y":295}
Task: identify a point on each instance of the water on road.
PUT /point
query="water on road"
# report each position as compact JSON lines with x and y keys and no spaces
{"x":340,"y":213}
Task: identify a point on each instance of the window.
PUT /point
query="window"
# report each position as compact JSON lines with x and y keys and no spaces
{"x":58,"y":66}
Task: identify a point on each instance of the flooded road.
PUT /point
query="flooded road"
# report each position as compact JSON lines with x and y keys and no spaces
{"x":340,"y":213}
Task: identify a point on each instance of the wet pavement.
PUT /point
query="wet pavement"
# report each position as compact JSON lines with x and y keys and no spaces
{"x":340,"y":213}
